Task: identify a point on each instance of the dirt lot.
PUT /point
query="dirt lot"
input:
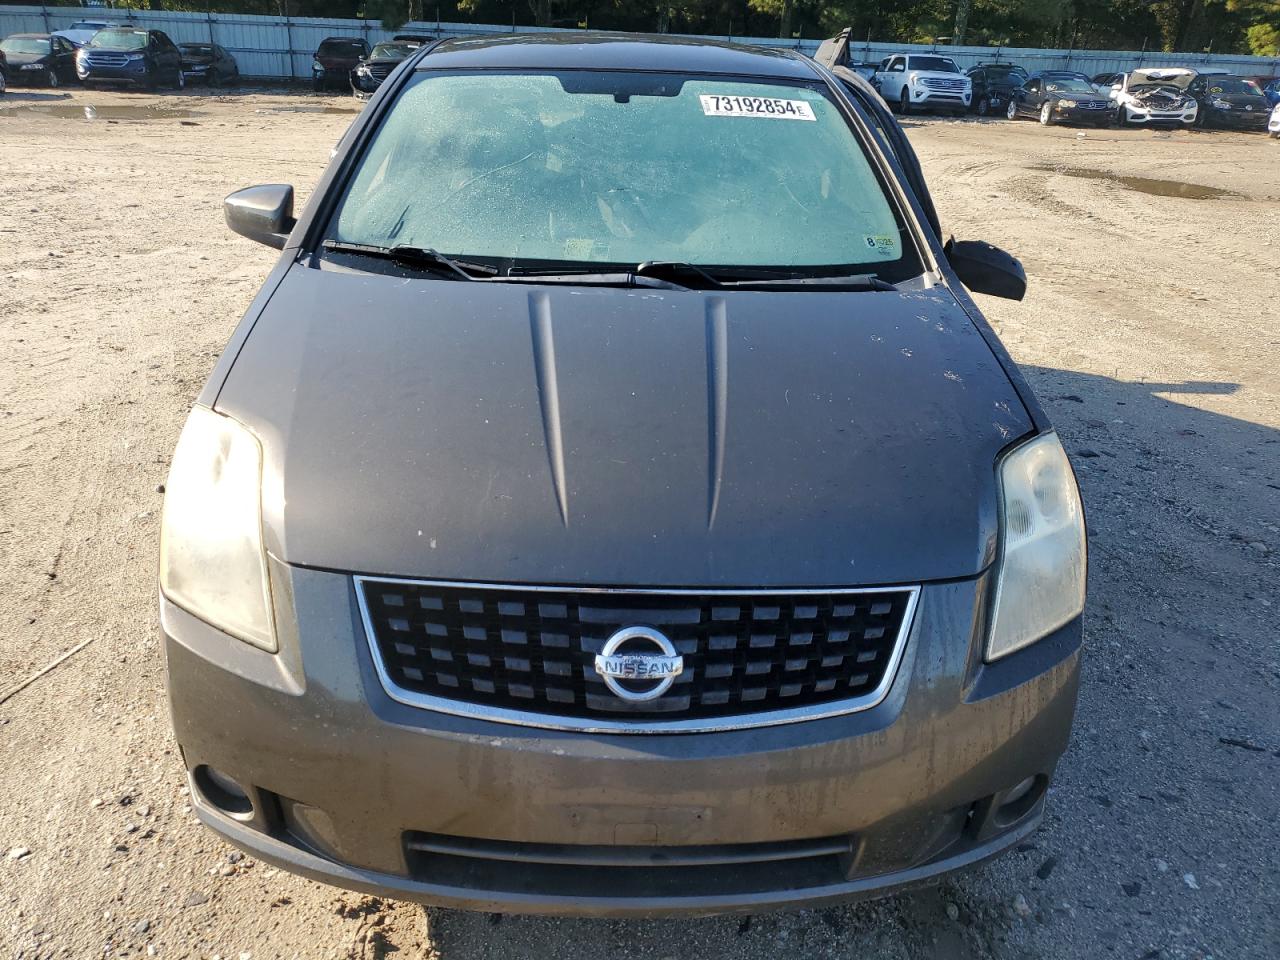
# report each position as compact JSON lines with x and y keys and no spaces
{"x":1152,"y":333}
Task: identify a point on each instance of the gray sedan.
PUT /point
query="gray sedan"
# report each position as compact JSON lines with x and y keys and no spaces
{"x":614,"y":503}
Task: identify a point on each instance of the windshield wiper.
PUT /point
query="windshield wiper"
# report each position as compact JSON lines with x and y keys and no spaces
{"x":595,"y":278}
{"x":418,"y":258}
{"x":749,"y":278}
{"x":676,"y":271}
{"x":857,"y":282}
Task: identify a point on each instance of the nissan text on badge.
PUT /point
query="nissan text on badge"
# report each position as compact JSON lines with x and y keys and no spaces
{"x":614,"y":502}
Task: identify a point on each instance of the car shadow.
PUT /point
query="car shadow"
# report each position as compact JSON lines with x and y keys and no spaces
{"x":1183,"y":511}
{"x":26,"y":95}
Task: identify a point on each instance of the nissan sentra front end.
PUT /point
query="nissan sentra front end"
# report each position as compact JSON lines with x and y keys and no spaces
{"x":582,"y":581}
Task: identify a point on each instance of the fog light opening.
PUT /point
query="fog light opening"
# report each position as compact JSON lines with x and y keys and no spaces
{"x":1020,"y":800}
{"x":222,"y":791}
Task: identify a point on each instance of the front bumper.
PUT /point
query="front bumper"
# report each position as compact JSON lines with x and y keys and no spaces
{"x":28,"y":75}
{"x":129,"y":73}
{"x":1100,"y":116}
{"x":363,"y":87}
{"x":1237,"y":119}
{"x":925,"y":97}
{"x":1186,"y":116}
{"x":345,"y":785}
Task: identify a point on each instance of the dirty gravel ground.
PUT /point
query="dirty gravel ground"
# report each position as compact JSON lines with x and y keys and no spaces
{"x":1152,"y":333}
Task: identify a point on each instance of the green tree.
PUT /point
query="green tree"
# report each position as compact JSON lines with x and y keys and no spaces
{"x":1263,"y":24}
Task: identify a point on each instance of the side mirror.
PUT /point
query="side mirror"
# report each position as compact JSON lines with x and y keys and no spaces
{"x":263,"y":213}
{"x":987,"y":269}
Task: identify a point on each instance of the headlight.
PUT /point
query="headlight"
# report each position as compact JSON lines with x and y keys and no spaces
{"x":134,"y":57}
{"x":1222,"y":104}
{"x":211,"y":558}
{"x":1068,"y":103}
{"x":316,"y":67}
{"x":362,"y":70}
{"x":1043,"y":556}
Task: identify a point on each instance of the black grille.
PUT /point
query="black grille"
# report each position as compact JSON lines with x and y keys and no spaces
{"x":623,"y":872}
{"x":107,"y":59}
{"x":534,"y":650}
{"x":380,"y":71}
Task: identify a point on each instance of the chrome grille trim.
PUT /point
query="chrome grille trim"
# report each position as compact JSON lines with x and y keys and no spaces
{"x":592,"y":725}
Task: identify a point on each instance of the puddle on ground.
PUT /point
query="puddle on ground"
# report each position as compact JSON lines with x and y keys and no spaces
{"x":71,"y":111}
{"x":311,"y":108}
{"x":1147,"y":185}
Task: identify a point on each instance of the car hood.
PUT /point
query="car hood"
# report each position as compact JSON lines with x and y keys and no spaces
{"x":1241,"y":100}
{"x":17,"y":59}
{"x":198,"y":59}
{"x":578,"y":435}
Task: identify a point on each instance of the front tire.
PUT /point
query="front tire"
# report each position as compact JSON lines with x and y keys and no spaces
{"x":904,"y":103}
{"x":1011,"y":111}
{"x":1046,"y":114}
{"x":1121,"y":119}
{"x":54,"y":82}
{"x":180,"y":83}
{"x":4,"y":83}
{"x":984,"y":107}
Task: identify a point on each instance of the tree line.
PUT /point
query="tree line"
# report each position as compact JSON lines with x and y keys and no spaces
{"x":1187,"y":26}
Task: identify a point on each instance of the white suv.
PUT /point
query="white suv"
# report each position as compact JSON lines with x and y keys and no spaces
{"x":923,"y":80}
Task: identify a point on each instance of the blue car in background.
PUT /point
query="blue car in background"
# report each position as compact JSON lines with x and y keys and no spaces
{"x":1270,"y":88}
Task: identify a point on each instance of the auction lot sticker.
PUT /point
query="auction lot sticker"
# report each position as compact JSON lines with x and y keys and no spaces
{"x":775,"y":108}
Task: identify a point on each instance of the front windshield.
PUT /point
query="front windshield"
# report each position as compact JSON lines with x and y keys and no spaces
{"x":387,"y":51}
{"x":1068,"y":86}
{"x":119,"y":40}
{"x":196,"y":49}
{"x":87,"y":25}
{"x":612,"y":167}
{"x":32,"y":45}
{"x":341,"y":48}
{"x":936,"y":64}
{"x":1234,"y":86}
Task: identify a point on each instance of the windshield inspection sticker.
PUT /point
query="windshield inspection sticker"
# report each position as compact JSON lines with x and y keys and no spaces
{"x":885,"y":244}
{"x":718,"y":105}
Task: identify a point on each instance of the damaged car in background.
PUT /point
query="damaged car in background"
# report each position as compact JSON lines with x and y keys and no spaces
{"x":369,"y":73}
{"x":1230,"y":103}
{"x":1155,"y":96}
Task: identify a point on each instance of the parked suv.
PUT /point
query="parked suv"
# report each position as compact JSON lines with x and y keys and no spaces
{"x":924,"y":81}
{"x":544,"y":545}
{"x":334,"y":59}
{"x":993,"y":86}
{"x":133,"y":56}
